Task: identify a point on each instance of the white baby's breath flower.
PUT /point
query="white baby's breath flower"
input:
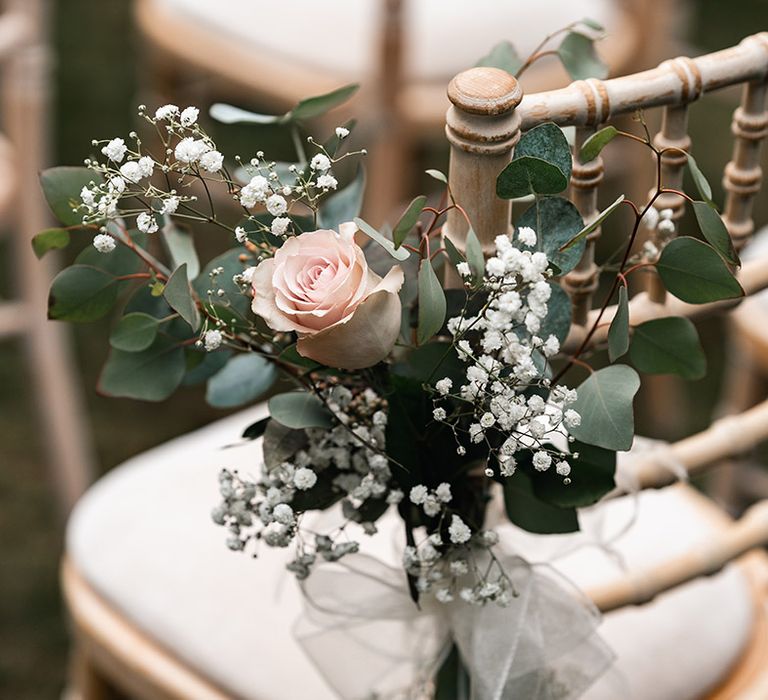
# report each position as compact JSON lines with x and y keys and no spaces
{"x":439,"y":414}
{"x":342,"y":132}
{"x":304,"y":479}
{"x":463,"y":269}
{"x":189,"y":150}
{"x":254,"y":192}
{"x":146,"y":223}
{"x":283,"y":513}
{"x":444,"y":386}
{"x":146,"y":166}
{"x":212,"y":161}
{"x":651,"y":218}
{"x":458,"y":530}
{"x":563,"y":468}
{"x":327,"y":182}
{"x":247,"y":274}
{"x":276,"y":205}
{"x":212,"y":340}
{"x":241,"y":234}
{"x":87,"y":197}
{"x":115,"y":150}
{"x":166,"y":112}
{"x":542,"y":461}
{"x":104,"y":243}
{"x":418,"y":494}
{"x":131,"y":171}
{"x":572,"y":418}
{"x":170,"y":205}
{"x":189,"y":116}
{"x":443,"y":492}
{"x":280,"y":225}
{"x":526,"y":236}
{"x":320,"y":162}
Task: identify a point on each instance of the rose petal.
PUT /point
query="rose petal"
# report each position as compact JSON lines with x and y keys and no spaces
{"x":361,"y":341}
{"x":264,"y":299}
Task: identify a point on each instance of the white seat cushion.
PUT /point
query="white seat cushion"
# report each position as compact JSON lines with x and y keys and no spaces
{"x":143,"y":539}
{"x":442,"y":37}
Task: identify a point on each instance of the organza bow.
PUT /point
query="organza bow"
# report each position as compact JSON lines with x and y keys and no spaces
{"x":367,"y":638}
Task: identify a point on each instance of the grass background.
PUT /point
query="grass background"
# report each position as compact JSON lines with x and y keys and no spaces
{"x":96,"y":83}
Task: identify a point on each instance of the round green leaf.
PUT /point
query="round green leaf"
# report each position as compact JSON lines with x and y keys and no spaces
{"x":591,"y":148}
{"x":605,"y":405}
{"x":150,"y":375}
{"x":81,"y":293}
{"x":61,"y":187}
{"x":50,"y":239}
{"x":134,"y":332}
{"x":579,"y":58}
{"x":714,"y":230}
{"x":243,"y":379}
{"x":300,"y":409}
{"x":526,"y":510}
{"x":178,"y":294}
{"x":555,"y":221}
{"x":408,"y":220}
{"x":695,"y":273}
{"x":432,"y":304}
{"x":503,"y":56}
{"x":668,"y":346}
{"x":557,"y":322}
{"x":315,"y":106}
{"x":343,"y":205}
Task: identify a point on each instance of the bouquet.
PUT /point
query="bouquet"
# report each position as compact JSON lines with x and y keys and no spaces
{"x":414,"y":376}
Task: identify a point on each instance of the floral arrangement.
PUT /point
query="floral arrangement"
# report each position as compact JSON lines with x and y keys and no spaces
{"x":420,"y":375}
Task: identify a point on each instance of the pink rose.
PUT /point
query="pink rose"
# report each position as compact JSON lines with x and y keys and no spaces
{"x":318,"y":284}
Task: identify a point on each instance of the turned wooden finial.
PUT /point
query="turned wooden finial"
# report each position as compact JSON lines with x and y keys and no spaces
{"x":482,"y":128}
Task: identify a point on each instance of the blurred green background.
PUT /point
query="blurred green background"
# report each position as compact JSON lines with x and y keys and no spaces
{"x":96,"y":82}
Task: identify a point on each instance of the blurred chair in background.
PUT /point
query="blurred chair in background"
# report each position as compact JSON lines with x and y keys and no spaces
{"x":25,"y":66}
{"x":403,"y":52}
{"x":162,"y":610}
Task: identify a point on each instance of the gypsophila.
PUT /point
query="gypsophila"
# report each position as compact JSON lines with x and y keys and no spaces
{"x":104,"y":243}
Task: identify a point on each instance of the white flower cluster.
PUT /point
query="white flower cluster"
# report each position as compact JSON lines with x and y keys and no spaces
{"x":662,"y":223}
{"x":507,"y":387}
{"x":346,"y":461}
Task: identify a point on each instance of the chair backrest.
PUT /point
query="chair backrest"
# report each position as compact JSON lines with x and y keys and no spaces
{"x":488,"y":115}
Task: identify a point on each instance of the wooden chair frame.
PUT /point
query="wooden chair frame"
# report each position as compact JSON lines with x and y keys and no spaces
{"x":488,"y":115}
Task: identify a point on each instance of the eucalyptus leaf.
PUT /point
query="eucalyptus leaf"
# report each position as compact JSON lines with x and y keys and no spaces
{"x":61,"y":187}
{"x":178,"y":294}
{"x":474,"y":253}
{"x":281,"y":443}
{"x":694,"y":272}
{"x":504,"y":56}
{"x":228,"y":114}
{"x":242,"y":380}
{"x":238,"y":304}
{"x":556,"y":221}
{"x":714,"y":230}
{"x":668,"y":346}
{"x":618,"y":333}
{"x":702,"y":185}
{"x":408,"y":220}
{"x":592,"y":225}
{"x":202,"y":365}
{"x":343,"y":205}
{"x":300,"y":409}
{"x":82,"y":293}
{"x":50,"y":239}
{"x":578,"y":56}
{"x":181,"y":248}
{"x":431,"y":303}
{"x":397,"y":253}
{"x":134,"y":332}
{"x":592,"y":147}
{"x":315,"y":106}
{"x":454,"y":254}
{"x":605,"y":405}
{"x":526,"y":510}
{"x":150,"y":375}
{"x":437,"y":175}
{"x":592,"y":24}
{"x":557,"y":322}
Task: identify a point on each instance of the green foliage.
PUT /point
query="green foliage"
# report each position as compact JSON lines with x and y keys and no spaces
{"x":556,"y":221}
{"x":81,"y":293}
{"x":181,"y":248}
{"x":578,"y":56}
{"x":592,"y":225}
{"x":281,"y":443}
{"x":150,"y":375}
{"x":178,"y":294}
{"x":306,"y":109}
{"x":541,"y":164}
{"x":605,"y":405}
{"x":503,"y":56}
{"x":61,"y":187}
{"x":431,"y":302}
{"x":694,"y":272}
{"x":526,"y":510}
{"x":202,"y":365}
{"x":431,"y":362}
{"x":239,"y":303}
{"x":50,"y":239}
{"x":397,"y":253}
{"x":618,"y":333}
{"x":134,"y":332}
{"x":408,"y":220}
{"x":557,"y":322}
{"x":343,"y":205}
{"x":702,"y":185}
{"x":592,"y":147}
{"x":454,"y":254}
{"x":668,"y":346}
{"x":714,"y":230}
{"x":474,"y":253}
{"x":437,"y":175}
{"x":291,"y":356}
{"x":300,"y":409}
{"x":592,"y":476}
{"x":243,"y":379}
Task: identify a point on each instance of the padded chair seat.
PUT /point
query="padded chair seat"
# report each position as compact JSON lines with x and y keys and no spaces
{"x":442,"y":37}
{"x":142,"y":538}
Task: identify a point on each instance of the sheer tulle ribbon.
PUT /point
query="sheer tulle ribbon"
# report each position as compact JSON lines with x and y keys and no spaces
{"x":367,"y":638}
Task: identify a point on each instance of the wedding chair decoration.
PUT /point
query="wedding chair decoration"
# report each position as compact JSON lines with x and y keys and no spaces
{"x":447,"y":495}
{"x":395,"y":49}
{"x":25,"y":66}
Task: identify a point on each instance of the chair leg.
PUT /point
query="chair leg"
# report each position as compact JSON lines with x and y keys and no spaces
{"x":85,"y":681}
